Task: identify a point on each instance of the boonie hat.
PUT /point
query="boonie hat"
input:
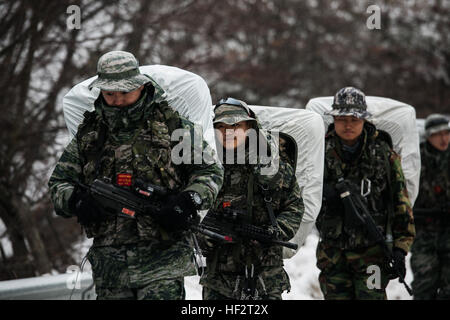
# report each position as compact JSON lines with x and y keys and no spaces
{"x":349,"y":101}
{"x":118,"y":71}
{"x":232,"y":111}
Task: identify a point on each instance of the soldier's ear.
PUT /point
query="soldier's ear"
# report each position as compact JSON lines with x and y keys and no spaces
{"x":252,"y":125}
{"x":140,"y":89}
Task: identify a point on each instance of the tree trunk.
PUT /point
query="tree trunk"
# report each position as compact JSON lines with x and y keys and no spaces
{"x":41,"y":261}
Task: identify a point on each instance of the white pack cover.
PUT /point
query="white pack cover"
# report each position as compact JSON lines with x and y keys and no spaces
{"x":307,"y":128}
{"x":396,"y":118}
{"x":185,"y":91}
{"x":421,"y":129}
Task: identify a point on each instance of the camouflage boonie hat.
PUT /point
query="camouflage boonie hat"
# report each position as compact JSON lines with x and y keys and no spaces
{"x":118,"y":71}
{"x":349,"y":101}
{"x":231,"y":111}
{"x":435,"y":123}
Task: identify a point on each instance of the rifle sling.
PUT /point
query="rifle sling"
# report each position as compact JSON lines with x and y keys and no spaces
{"x":100,"y":143}
{"x":246,"y":219}
{"x":390,"y":205}
{"x":236,"y":251}
{"x":390,"y":202}
{"x":268,"y":202}
{"x":250,"y":185}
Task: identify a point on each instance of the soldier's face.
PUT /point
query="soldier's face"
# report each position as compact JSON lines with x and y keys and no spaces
{"x":440,"y":140}
{"x":121,"y":99}
{"x":348,"y":128}
{"x":232,"y":136}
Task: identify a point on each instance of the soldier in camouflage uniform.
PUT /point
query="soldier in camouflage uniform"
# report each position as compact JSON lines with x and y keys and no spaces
{"x":228,"y":263}
{"x":128,"y":136}
{"x":357,"y":152}
{"x":430,"y":260}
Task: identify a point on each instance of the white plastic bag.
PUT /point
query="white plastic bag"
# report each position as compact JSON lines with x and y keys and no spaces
{"x":396,"y":118}
{"x":307,"y":128}
{"x":185,"y":91}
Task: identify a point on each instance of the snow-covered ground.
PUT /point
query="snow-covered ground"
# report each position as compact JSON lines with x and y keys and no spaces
{"x":304,"y":275}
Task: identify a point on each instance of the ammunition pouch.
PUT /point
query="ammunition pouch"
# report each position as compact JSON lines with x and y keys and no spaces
{"x":330,"y":226}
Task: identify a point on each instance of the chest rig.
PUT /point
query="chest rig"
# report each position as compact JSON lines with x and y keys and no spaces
{"x":258,"y":198}
{"x":370,"y":172}
{"x":142,"y":151}
{"x":245,"y":189}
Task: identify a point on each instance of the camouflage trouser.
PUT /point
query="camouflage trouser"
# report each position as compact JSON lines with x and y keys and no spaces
{"x":210,"y":294}
{"x":345,"y":274}
{"x":270,"y":285}
{"x":430,"y":264}
{"x":140,"y":271}
{"x":172,"y":289}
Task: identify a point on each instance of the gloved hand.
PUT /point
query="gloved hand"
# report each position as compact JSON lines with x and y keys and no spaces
{"x":176,"y":212}
{"x":275,"y":231}
{"x":83,"y":205}
{"x":399,"y":262}
{"x":331,"y":195}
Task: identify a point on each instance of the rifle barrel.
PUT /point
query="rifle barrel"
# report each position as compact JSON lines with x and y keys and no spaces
{"x":211,"y":234}
{"x":366,"y":218}
{"x":286,"y":244}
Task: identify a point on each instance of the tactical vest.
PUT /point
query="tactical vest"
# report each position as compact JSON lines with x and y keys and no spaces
{"x":371,"y":165}
{"x":144,"y":153}
{"x":434,"y":177}
{"x":246,"y":189}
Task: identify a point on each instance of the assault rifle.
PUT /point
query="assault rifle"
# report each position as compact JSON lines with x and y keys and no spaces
{"x":141,"y":200}
{"x":115,"y":200}
{"x":355,"y":206}
{"x":231,"y":224}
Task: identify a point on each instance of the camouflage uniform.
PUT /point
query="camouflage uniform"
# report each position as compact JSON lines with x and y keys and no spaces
{"x":430,"y":261}
{"x":226,"y":263}
{"x":133,"y":258}
{"x":345,"y":251}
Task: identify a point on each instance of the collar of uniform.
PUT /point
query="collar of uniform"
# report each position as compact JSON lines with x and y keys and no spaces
{"x":124,"y":118}
{"x":435,"y":153}
{"x":339,"y":149}
{"x":159,"y":94}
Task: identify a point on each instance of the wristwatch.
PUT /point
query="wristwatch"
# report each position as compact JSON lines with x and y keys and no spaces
{"x":196,"y":198}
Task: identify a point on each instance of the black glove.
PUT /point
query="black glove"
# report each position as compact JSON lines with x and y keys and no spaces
{"x":83,"y":205}
{"x":399,"y":263}
{"x":331,"y":196}
{"x":177,"y":211}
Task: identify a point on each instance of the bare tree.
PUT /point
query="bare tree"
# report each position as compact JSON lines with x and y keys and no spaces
{"x":274,"y":52}
{"x":36,"y":63}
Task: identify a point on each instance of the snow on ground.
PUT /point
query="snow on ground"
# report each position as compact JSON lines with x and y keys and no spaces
{"x":303,"y":272}
{"x":304,"y":275}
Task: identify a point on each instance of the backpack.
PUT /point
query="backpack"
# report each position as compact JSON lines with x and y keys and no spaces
{"x":398,"y":122}
{"x":302,"y":132}
{"x":185,"y":91}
